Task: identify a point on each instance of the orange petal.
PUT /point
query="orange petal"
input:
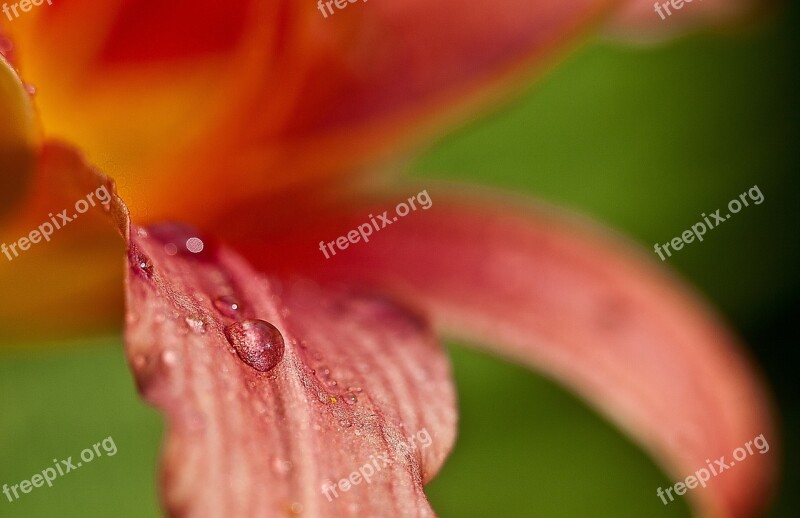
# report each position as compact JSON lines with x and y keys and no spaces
{"x":69,"y":282}
{"x":579,"y":305}
{"x":275,"y":393}
{"x":172,"y":99}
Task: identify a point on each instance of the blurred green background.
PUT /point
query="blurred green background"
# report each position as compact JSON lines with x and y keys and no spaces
{"x":643,"y":139}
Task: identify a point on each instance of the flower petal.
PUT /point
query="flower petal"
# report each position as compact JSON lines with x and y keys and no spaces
{"x":18,"y":136}
{"x":579,"y":305}
{"x":272,"y":92}
{"x":359,"y":377}
{"x":69,"y":282}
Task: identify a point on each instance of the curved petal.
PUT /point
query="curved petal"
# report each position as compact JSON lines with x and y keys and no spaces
{"x":18,"y":136}
{"x":272,"y":92}
{"x":357,"y":384}
{"x":69,"y":281}
{"x":577,"y":304}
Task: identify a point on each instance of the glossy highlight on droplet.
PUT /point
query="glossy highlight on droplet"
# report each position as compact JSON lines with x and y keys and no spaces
{"x":140,"y":263}
{"x":180,"y":239}
{"x":257,"y":343}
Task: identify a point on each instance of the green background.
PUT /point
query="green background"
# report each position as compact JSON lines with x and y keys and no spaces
{"x":643,"y":139}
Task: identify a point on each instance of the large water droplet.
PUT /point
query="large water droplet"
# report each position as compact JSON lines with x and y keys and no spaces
{"x":228,"y":305}
{"x":259,"y":344}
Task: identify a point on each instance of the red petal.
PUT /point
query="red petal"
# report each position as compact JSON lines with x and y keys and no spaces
{"x":583,"y":307}
{"x":358,"y":378}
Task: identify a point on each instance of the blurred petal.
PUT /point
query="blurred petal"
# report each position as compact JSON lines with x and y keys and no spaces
{"x":358,"y":377}
{"x":271,"y":92}
{"x":578,"y":305}
{"x":71,"y":282}
{"x":638,"y":20}
{"x":18,"y":136}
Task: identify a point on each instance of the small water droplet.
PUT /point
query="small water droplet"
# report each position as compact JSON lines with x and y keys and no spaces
{"x":355,"y":389}
{"x":296,"y":508}
{"x":5,"y":46}
{"x":281,"y":466}
{"x":258,"y":343}
{"x":141,"y":263}
{"x":345,"y":423}
{"x":196,"y":324}
{"x":170,"y":358}
{"x":350,"y":398}
{"x":195,"y":245}
{"x":139,"y":361}
{"x":178,"y":238}
{"x":228,"y":306}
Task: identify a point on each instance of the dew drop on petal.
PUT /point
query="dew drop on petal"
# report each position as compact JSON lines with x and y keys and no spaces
{"x":350,"y":399}
{"x":228,"y":306}
{"x":196,"y":324}
{"x":177,"y":238}
{"x":141,"y":263}
{"x":195,"y":245}
{"x":258,"y":343}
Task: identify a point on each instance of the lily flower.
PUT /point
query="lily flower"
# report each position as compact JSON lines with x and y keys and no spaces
{"x":265,"y":128}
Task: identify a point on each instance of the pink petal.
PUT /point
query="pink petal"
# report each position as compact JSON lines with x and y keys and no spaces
{"x":582,"y":306}
{"x":357,"y":378}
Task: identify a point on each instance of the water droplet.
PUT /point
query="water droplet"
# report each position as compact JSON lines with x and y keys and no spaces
{"x":345,"y":423}
{"x":228,"y":306}
{"x":140,"y":263}
{"x":139,"y":362}
{"x":170,"y":358}
{"x":281,"y":467}
{"x":5,"y":46}
{"x":350,"y":398}
{"x":355,"y":389}
{"x":296,"y":508}
{"x":258,"y":343}
{"x":196,"y":324}
{"x":195,"y":245}
{"x":178,"y":238}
